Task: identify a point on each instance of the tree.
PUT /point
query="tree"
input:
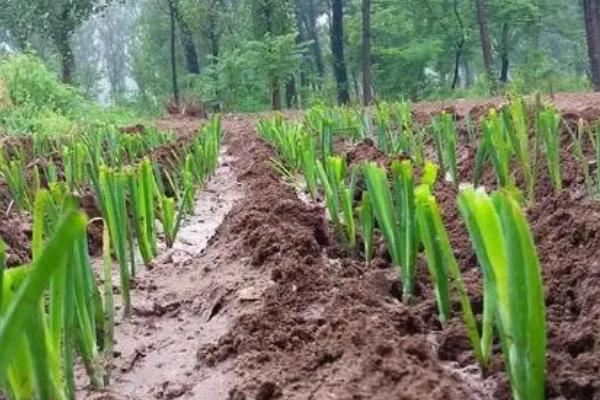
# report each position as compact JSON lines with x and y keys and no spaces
{"x":337,"y":48}
{"x":114,"y":29}
{"x":55,"y":19}
{"x":307,"y":12}
{"x":270,"y":21}
{"x":207,"y":21}
{"x":88,"y":59}
{"x":504,"y":53}
{"x":590,"y":15}
{"x":512,"y":23}
{"x":486,"y":41}
{"x":366,"y":52}
{"x":172,"y":20}
{"x":187,"y":41}
{"x":18,"y":17}
{"x":451,"y":21}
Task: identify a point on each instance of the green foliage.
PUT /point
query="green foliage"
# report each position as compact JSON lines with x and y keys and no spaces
{"x":514,"y":295}
{"x":578,"y":140}
{"x":394,"y":210}
{"x":420,"y":49}
{"x":338,"y":196}
{"x":29,"y":83}
{"x":446,"y":141}
{"x":367,"y":225}
{"x":112,"y":187}
{"x":32,"y":100}
{"x":444,"y":269}
{"x":404,"y":201}
{"x":30,"y":355}
{"x":516,"y":117}
{"x":549,"y":133}
{"x":495,"y":144}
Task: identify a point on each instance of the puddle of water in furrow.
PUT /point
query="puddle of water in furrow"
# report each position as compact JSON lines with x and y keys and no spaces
{"x":156,"y":354}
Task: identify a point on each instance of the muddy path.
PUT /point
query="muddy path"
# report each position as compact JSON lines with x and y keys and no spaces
{"x":175,"y":309}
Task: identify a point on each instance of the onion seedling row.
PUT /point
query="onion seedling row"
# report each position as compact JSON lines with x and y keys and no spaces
{"x":53,"y":311}
{"x":400,"y":205}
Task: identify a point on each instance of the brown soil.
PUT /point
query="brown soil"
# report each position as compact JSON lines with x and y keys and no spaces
{"x":136,"y":129}
{"x":15,"y":230}
{"x":181,"y":125}
{"x":193,"y":107}
{"x":366,"y":151}
{"x":586,"y":106}
{"x":169,"y":155}
{"x":88,"y":203}
{"x":257,"y":301}
{"x":325,"y":329}
{"x":567,"y":232}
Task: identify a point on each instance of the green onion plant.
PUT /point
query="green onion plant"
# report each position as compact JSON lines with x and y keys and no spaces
{"x":112,"y":186}
{"x":498,"y":146}
{"x":393,"y":208}
{"x":444,"y":270}
{"x":367,"y":225}
{"x":338,"y":196}
{"x":522,"y":145}
{"x":549,"y":133}
{"x":578,"y":138}
{"x":513,"y":290}
{"x":446,"y":139}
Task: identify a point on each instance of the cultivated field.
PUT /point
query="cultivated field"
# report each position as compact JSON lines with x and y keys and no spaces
{"x":329,"y":254}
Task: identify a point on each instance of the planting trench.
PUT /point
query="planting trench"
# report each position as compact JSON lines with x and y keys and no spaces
{"x":257,"y":301}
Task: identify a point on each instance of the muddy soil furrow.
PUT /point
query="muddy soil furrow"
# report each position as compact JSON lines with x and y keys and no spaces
{"x":268,"y":307}
{"x":177,"y":305}
{"x":330,"y":329}
{"x":257,"y":301}
{"x":325,"y":330}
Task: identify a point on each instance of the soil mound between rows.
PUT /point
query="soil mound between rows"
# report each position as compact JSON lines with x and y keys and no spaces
{"x":321,"y":331}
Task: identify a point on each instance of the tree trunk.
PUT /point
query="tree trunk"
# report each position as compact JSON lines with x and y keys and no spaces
{"x":188,"y":45}
{"x":67,"y":61}
{"x":468,"y":72}
{"x":486,"y":42}
{"x":457,"y":58}
{"x":355,"y":84}
{"x":214,"y":52}
{"x":291,"y":95}
{"x":504,"y":70}
{"x":590,"y":14}
{"x":337,"y":48}
{"x":61,"y":40}
{"x":275,"y":93}
{"x":504,"y":53}
{"x":306,"y":59}
{"x":311,"y":28}
{"x":214,"y":49}
{"x":366,"y":52}
{"x":274,"y":80}
{"x":173,"y":55}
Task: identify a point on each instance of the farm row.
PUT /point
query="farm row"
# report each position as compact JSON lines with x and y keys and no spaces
{"x":55,"y":307}
{"x":388,"y":204}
